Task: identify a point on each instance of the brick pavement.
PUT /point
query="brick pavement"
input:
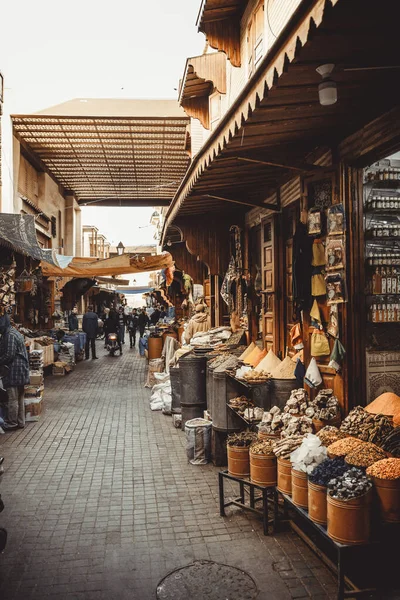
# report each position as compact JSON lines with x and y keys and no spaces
{"x":101,"y":503}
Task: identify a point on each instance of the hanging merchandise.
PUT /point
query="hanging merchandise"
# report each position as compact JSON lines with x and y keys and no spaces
{"x":333,"y":327}
{"x":300,"y":372}
{"x":336,"y":220}
{"x":337,"y":356}
{"x":233,"y":288}
{"x":335,"y":253}
{"x":318,"y":254}
{"x":313,"y":377}
{"x":314,"y":222}
{"x":227,"y":282}
{"x":336,"y":288}
{"x":319,"y":344}
{"x":318,"y":285}
{"x":301,"y":259}
{"x":315,"y":315}
{"x":24,"y":282}
{"x":296,"y":337}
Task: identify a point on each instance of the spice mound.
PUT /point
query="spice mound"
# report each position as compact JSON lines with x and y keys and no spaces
{"x":330,"y":434}
{"x":365,"y":455}
{"x":264,"y":447}
{"x":308,"y":455}
{"x":283,"y":448}
{"x":352,"y":484}
{"x":285,"y":370}
{"x":343,"y":447}
{"x":327,"y":470}
{"x":391,"y":443}
{"x":389,"y":468}
{"x":385,"y":404}
{"x":242,"y":439}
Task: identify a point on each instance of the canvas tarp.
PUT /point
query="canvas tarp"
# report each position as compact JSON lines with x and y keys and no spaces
{"x":118,"y":265}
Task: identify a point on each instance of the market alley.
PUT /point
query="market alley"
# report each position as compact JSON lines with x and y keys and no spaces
{"x":101,"y":503}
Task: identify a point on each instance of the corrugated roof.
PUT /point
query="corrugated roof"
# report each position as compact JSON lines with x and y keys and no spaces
{"x":117,"y":107}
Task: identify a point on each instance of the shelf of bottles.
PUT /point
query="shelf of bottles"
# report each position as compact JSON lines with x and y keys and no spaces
{"x":382,"y":241}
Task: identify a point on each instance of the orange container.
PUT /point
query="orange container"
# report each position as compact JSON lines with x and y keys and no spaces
{"x":268,"y":436}
{"x":318,"y":424}
{"x":155,"y":346}
{"x":317,"y":503}
{"x":349,"y":521}
{"x":388,"y":492}
{"x":263,"y":469}
{"x":284,"y":476}
{"x":238,"y":461}
{"x":299,"y":488}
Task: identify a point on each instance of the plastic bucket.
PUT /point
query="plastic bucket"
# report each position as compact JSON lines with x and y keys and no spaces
{"x":317,"y":504}
{"x":299,"y":489}
{"x":238,"y":461}
{"x":349,"y":521}
{"x":388,"y":492}
{"x":263,"y":469}
{"x":284,"y":472}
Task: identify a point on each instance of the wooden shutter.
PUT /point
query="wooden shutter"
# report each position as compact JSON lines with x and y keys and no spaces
{"x":290,"y":216}
{"x":259,"y":33}
{"x":270,"y":269}
{"x":250,"y":46}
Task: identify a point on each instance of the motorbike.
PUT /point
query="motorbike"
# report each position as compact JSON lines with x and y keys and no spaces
{"x":3,"y":532}
{"x":113,"y":344}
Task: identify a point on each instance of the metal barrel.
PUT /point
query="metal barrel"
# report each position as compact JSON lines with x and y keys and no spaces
{"x":223,"y":418}
{"x":174,"y":374}
{"x":193,"y":387}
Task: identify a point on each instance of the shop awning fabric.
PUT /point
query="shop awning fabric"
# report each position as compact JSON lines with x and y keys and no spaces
{"x":118,"y":265}
{"x":18,"y":233}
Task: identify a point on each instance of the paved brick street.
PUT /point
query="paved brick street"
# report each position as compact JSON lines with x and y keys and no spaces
{"x":101,"y":503}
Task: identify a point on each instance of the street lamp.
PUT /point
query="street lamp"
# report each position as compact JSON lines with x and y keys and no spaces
{"x":120,"y":249}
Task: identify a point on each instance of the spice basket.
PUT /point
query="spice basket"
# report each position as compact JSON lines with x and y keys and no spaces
{"x":349,"y":521}
{"x":388,"y":493}
{"x":238,"y":461}
{"x":268,"y":436}
{"x":317,"y":503}
{"x":284,"y":473}
{"x":319,"y":424}
{"x":263,"y":470}
{"x":299,"y":488}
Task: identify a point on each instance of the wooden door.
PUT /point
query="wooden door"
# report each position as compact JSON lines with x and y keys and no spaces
{"x":290,"y":218}
{"x":270,"y":289}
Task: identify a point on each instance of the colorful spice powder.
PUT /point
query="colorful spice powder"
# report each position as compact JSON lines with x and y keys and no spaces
{"x":389,"y":468}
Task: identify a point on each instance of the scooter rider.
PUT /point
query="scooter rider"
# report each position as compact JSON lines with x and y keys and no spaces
{"x":111,"y":325}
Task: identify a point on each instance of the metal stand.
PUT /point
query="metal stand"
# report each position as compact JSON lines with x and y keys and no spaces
{"x":342,"y":550}
{"x":245,"y":485}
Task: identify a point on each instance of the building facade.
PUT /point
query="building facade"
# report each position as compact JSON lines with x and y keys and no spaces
{"x":94,"y":243}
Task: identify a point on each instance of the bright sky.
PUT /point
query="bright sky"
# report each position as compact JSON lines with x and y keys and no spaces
{"x":51,"y":52}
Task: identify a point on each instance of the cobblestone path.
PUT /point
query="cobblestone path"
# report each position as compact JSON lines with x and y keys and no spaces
{"x":101,"y":503}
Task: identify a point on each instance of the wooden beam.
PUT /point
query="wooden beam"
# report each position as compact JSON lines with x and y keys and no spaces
{"x":242,"y":202}
{"x":300,"y":169}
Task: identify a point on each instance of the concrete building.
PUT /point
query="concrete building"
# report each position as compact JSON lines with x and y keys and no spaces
{"x":94,"y":243}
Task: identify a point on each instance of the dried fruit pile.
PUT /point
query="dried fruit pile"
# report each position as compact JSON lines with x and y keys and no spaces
{"x":272,"y":421}
{"x":296,"y":425}
{"x":368,"y":427}
{"x":352,"y":484}
{"x":264,"y":447}
{"x":242,"y":439}
{"x":343,"y":447}
{"x":297,"y":403}
{"x":391,"y":443}
{"x":329,"y":469}
{"x":389,"y":468}
{"x":325,"y":406}
{"x":283,"y":448}
{"x":365,"y":455}
{"x":330,"y":434}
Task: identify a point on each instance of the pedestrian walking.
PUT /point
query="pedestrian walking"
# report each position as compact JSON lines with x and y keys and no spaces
{"x":89,"y":326}
{"x":73,"y":319}
{"x":13,"y":355}
{"x":122,"y":323}
{"x":155,"y":316}
{"x":143,"y":321}
{"x":133,"y":323}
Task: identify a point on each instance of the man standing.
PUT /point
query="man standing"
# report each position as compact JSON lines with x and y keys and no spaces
{"x":13,"y":354}
{"x":122,"y":323}
{"x":133,"y":322}
{"x":73,"y":319}
{"x":143,"y":320}
{"x":89,"y":326}
{"x":155,"y":316}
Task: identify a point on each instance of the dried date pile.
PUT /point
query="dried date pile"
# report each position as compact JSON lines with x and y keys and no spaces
{"x":283,"y":448}
{"x":389,"y":468}
{"x":391,"y":443}
{"x":264,"y":447}
{"x":366,"y":426}
{"x":365,"y":455}
{"x":352,"y":484}
{"x":242,"y":439}
{"x":343,"y":447}
{"x":330,"y":468}
{"x":330,"y":434}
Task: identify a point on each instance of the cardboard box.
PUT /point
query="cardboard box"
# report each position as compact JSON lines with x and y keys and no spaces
{"x":36,"y":379}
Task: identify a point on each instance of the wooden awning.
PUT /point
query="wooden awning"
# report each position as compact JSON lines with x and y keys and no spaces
{"x":203,"y":75}
{"x":267,"y":136}
{"x":219,"y":20}
{"x":110,"y":152}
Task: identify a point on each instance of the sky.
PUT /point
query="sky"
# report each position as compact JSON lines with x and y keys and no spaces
{"x":54,"y":51}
